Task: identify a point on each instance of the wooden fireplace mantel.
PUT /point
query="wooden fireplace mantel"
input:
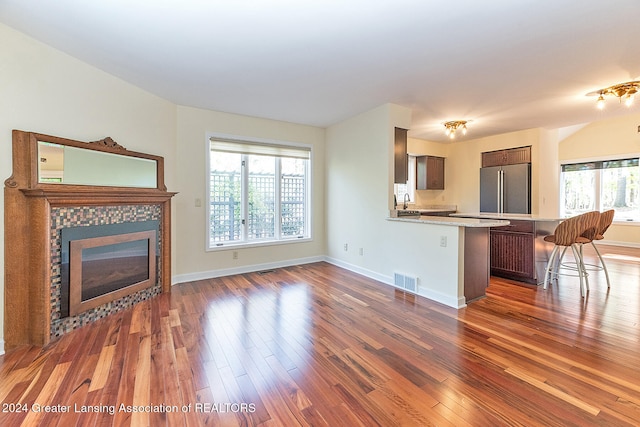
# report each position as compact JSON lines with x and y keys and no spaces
{"x":107,"y":196}
{"x":28,"y":205}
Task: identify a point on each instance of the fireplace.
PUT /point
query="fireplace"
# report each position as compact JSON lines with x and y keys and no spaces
{"x":103,"y":263}
{"x":107,"y":268}
{"x":84,"y":248}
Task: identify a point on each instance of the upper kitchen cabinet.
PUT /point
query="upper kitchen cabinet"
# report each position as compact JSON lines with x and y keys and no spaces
{"x":429,"y":173}
{"x":400,"y":156}
{"x":511,"y":156}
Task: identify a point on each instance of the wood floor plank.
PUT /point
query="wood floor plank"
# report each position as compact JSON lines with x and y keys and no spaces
{"x":219,"y":395}
{"x":188,"y":392}
{"x":40,"y":404}
{"x":101,"y":372}
{"x":142,"y":385}
{"x":128,"y":377}
{"x":77,"y":397}
{"x":165,"y":356}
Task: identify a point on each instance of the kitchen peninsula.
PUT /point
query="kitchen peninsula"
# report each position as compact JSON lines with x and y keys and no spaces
{"x":518,"y":250}
{"x":453,"y":253}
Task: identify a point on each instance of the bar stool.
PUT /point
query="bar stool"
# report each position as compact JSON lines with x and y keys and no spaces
{"x":606,"y":218}
{"x":571,"y":232}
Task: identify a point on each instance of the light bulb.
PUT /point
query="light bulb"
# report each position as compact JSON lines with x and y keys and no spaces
{"x":452,"y":134}
{"x":628,"y":100}
{"x":600,"y":102}
{"x":464,"y":129}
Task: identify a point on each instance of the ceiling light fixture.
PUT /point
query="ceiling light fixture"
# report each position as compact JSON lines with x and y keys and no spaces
{"x":451,"y":127}
{"x":624,"y":91}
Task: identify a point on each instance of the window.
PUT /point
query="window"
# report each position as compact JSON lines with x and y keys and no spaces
{"x":258,"y":192}
{"x":409,"y":187}
{"x":601,"y":185}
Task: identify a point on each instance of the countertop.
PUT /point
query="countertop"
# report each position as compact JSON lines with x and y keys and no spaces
{"x":456,"y":222}
{"x":505,"y":216}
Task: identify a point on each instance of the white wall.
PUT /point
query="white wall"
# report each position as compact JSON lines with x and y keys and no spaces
{"x":359,"y":183}
{"x":359,"y":192}
{"x":193,"y":262}
{"x":46,"y":91}
{"x":546,"y":174}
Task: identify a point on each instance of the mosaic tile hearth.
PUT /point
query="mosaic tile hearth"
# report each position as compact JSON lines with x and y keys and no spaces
{"x":85,"y":216}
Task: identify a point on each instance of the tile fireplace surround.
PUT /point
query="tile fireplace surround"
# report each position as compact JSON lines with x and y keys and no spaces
{"x":66,"y":217}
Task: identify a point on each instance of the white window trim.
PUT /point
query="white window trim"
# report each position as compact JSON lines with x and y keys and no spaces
{"x":257,"y":243}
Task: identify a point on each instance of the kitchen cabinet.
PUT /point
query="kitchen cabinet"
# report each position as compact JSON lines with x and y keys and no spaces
{"x":511,"y":156}
{"x":429,"y":173}
{"x":512,"y":250}
{"x":400,"y":156}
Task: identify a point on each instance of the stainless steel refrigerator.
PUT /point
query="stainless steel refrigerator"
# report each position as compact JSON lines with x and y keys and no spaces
{"x":506,"y":189}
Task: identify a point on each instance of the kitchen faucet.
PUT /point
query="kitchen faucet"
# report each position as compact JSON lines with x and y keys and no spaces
{"x":406,"y":201}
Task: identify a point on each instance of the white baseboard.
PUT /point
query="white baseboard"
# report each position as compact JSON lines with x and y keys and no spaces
{"x":388,"y":280}
{"x":614,"y":243}
{"x":362,"y":271}
{"x":1,"y":347}
{"x":203,"y":275}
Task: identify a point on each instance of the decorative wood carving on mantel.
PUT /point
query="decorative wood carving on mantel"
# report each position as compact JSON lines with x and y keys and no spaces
{"x":108,"y":142}
{"x":27,"y":231}
{"x":10,"y":182}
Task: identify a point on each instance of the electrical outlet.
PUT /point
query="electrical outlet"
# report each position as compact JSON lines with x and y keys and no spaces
{"x":235,"y":255}
{"x":361,"y":251}
{"x":198,"y":203}
{"x":443,"y":241}
{"x":346,"y":246}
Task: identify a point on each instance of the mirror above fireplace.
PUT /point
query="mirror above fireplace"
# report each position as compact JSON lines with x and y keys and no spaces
{"x":66,"y":164}
{"x":43,"y":160}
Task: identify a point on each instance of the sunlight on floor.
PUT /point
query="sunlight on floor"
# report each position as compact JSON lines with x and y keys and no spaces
{"x":621,"y":257}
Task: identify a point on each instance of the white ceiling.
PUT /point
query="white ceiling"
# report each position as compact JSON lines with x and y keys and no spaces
{"x":504,"y":64}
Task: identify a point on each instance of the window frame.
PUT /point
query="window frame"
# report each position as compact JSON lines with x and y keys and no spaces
{"x":410,"y":184}
{"x":278,"y":239}
{"x":598,"y":183}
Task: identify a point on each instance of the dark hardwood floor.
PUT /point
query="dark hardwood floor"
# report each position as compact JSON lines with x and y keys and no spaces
{"x":318,"y":345}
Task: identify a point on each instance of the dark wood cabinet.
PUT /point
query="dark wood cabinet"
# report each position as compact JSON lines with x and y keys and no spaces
{"x":512,"y":249}
{"x":400,"y":156}
{"x":518,"y":251}
{"x":511,"y":156}
{"x":429,"y":173}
